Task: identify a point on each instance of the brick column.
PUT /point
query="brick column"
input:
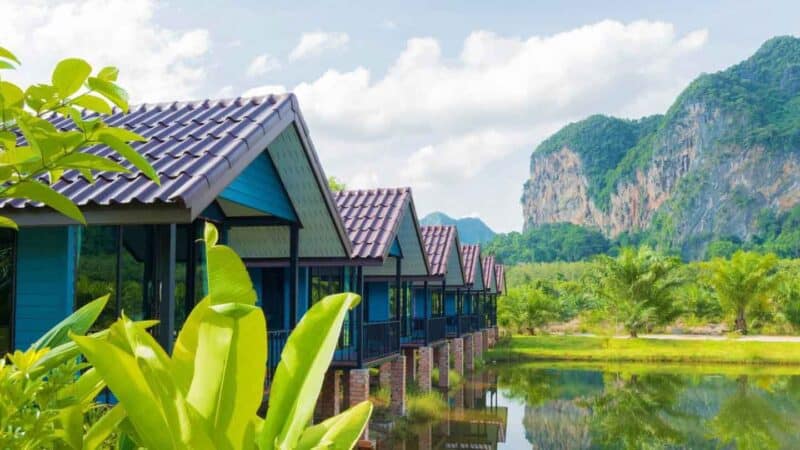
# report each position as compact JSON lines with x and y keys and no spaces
{"x":398,"y":371}
{"x":469,"y":353}
{"x":329,"y":403}
{"x":443,"y":363}
{"x":358,"y":390}
{"x":485,"y":334}
{"x":425,"y":436}
{"x":385,"y":375}
{"x":411,"y":363}
{"x":425,"y":368}
{"x":457,"y":347}
{"x":477,"y":343}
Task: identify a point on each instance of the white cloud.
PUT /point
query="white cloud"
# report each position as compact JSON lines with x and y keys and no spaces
{"x":262,"y":64}
{"x":315,"y":43}
{"x":460,"y":130}
{"x":155,"y":62}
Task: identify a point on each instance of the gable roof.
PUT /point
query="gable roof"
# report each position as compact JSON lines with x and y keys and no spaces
{"x":488,"y":273}
{"x":197,"y":148}
{"x":373,"y":219}
{"x":440,"y":241}
{"x":470,"y":254}
{"x":500,"y":274}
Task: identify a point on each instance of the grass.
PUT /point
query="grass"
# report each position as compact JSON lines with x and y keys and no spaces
{"x":425,"y":407}
{"x":454,"y":378}
{"x":580,"y":348}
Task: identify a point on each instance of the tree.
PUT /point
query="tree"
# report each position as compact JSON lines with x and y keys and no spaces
{"x":743,"y":283}
{"x":335,"y":184}
{"x":638,"y":287}
{"x":526,"y":308}
{"x":34,"y":153}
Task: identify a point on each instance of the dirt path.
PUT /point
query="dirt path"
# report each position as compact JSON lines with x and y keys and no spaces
{"x":703,"y":337}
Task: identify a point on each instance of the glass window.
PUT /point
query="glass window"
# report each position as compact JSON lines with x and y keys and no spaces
{"x":97,"y":271}
{"x":7,"y":264}
{"x":437,"y":305}
{"x":325,"y":281}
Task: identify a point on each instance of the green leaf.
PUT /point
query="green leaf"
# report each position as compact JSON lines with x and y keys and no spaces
{"x":210,"y":234}
{"x":111,"y":91}
{"x":102,"y":429}
{"x":6,"y":65}
{"x":230,"y":366}
{"x":298,"y":378}
{"x":18,"y":156}
{"x":40,"y":192}
{"x":39,"y":95}
{"x":340,"y":431}
{"x":71,"y":420}
{"x":134,"y":157}
{"x":121,"y":371}
{"x":5,"y":53}
{"x":92,"y":103}
{"x":79,"y":160}
{"x":85,"y":389}
{"x":78,"y":322}
{"x":123,"y":134}
{"x":10,"y":95}
{"x":5,"y":222}
{"x":108,"y":73}
{"x":184,"y":352}
{"x":69,"y":75}
{"x":228,"y":280}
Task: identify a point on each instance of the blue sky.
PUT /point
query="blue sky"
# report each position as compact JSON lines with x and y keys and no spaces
{"x":449,"y":98}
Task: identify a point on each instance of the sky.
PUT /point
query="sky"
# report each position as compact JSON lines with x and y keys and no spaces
{"x":449,"y":98}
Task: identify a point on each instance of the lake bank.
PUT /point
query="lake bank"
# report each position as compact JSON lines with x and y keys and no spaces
{"x":595,"y":348}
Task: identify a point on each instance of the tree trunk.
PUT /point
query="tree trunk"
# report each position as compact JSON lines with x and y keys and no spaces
{"x":741,"y":322}
{"x":634,"y":334}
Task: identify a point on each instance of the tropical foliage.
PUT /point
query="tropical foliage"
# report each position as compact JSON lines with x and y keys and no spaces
{"x":547,"y":243}
{"x":744,"y":283}
{"x":34,"y":153}
{"x":637,"y":288}
{"x":207,"y":393}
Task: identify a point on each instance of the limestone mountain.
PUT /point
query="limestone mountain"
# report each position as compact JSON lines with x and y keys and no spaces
{"x":471,"y":230}
{"x":725,"y":155}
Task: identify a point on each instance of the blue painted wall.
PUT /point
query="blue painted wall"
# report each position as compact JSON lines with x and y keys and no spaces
{"x":419,"y":303}
{"x":45,"y":289}
{"x":450,"y":303}
{"x":395,"y":250}
{"x":259,"y":187}
{"x":378,"y":299}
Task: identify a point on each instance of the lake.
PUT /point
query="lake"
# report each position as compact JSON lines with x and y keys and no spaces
{"x":618,"y":406}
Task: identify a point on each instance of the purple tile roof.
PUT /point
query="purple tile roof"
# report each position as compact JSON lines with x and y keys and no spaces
{"x":195,"y":147}
{"x":372,"y":218}
{"x":470,"y":254}
{"x":500,"y":274}
{"x":488,"y":270}
{"x":439,"y":240}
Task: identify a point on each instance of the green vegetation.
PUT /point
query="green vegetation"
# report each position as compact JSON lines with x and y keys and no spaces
{"x":602,"y":142}
{"x":49,"y":151}
{"x":642,"y":290}
{"x":336,"y":185}
{"x":424,"y":407}
{"x":586,"y":348}
{"x":548,"y":242}
{"x":637,"y":288}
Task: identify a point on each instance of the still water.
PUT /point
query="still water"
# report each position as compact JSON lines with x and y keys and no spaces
{"x":586,"y":406}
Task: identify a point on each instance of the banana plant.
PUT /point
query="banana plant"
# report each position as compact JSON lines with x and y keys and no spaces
{"x":207,"y":393}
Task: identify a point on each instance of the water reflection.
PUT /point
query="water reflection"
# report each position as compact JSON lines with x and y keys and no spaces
{"x":567,"y":406}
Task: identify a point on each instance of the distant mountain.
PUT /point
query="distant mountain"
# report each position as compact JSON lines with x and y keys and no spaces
{"x":471,"y":230}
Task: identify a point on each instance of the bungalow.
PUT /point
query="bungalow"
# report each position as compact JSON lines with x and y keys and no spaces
{"x":246,"y":164}
{"x":387,"y":244}
{"x":475,"y":283}
{"x":435,"y":307}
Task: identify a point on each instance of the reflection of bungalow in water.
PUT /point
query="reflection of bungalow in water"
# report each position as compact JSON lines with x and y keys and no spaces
{"x":246,"y":165}
{"x":478,"y":422}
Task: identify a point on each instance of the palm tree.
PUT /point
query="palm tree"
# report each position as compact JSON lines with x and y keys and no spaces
{"x":743,"y":282}
{"x":638,"y":287}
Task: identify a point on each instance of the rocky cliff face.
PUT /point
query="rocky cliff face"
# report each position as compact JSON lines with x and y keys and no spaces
{"x":728,"y":149}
